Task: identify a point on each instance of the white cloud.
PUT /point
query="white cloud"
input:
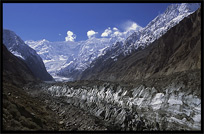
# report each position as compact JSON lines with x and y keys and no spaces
{"x":70,"y":36}
{"x":91,"y":33}
{"x":59,"y":34}
{"x":123,"y":32}
{"x":130,"y":25}
{"x":115,"y":29}
{"x":107,"y":32}
{"x":117,"y":33}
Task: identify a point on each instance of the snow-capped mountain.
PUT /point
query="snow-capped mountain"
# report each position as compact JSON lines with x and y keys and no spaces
{"x":145,"y":36}
{"x":55,"y":55}
{"x":158,"y":26}
{"x":178,"y":50}
{"x":18,"y":48}
{"x":67,"y":56}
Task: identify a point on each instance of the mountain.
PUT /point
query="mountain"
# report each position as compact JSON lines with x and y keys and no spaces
{"x":144,"y":36}
{"x":156,"y":28}
{"x":17,"y":47}
{"x":89,"y":50}
{"x":69,"y":58}
{"x":54,"y":54}
{"x":178,"y":50}
{"x":15,"y":70}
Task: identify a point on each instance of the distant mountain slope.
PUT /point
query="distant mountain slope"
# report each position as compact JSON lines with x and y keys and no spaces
{"x":155,"y":29}
{"x":66,"y":57}
{"x":15,"y":70}
{"x":177,"y":50}
{"x":138,"y":39}
{"x":70,"y":59}
{"x":55,"y":55}
{"x":159,"y":26}
{"x":17,"y":47}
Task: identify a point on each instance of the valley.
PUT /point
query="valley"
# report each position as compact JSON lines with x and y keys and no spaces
{"x":161,"y":104}
{"x":148,"y":79}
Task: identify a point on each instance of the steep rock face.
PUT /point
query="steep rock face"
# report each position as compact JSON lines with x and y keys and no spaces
{"x":15,"y":70}
{"x":177,"y":50}
{"x":17,"y":47}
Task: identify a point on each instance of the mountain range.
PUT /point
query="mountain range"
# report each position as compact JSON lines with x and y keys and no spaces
{"x":177,"y":50}
{"x":75,"y":57}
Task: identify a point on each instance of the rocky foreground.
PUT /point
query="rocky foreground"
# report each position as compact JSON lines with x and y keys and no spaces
{"x":22,"y":112}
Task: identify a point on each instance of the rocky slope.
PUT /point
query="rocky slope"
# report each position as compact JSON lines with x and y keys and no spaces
{"x":17,"y":47}
{"x":15,"y":70}
{"x":21,"y":111}
{"x":177,"y":50}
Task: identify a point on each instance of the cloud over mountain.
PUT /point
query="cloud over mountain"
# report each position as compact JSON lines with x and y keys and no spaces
{"x":70,"y":36}
{"x":91,"y":33}
{"x":107,"y":32}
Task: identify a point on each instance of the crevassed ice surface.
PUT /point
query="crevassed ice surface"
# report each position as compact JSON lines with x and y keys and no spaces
{"x":172,"y":109}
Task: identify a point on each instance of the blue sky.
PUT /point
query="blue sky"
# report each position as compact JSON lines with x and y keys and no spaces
{"x":51,"y":21}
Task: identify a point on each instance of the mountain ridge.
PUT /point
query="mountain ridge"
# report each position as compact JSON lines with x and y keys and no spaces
{"x":17,"y":47}
{"x":71,"y":62}
{"x":175,"y":51}
{"x":21,"y":74}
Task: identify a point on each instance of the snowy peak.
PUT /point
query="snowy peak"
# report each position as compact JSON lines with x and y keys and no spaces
{"x":158,"y":26}
{"x":16,"y":45}
{"x":65,"y":57}
{"x":147,"y":35}
{"x":182,"y":8}
{"x":55,"y":54}
{"x":176,"y":51}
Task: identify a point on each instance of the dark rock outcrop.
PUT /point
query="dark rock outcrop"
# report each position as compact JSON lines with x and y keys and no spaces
{"x":21,"y":111}
{"x":15,"y":70}
{"x":17,"y":46}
